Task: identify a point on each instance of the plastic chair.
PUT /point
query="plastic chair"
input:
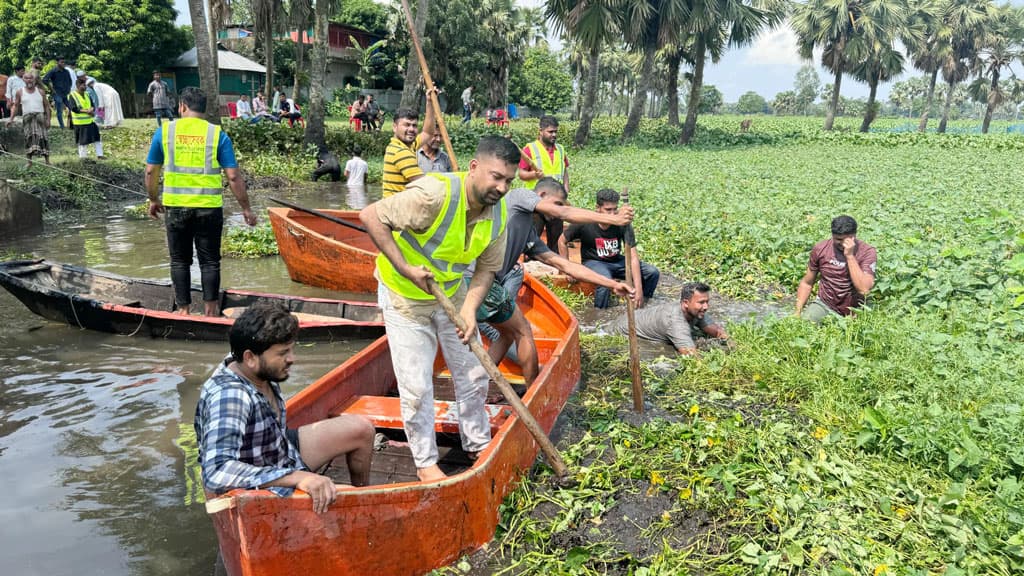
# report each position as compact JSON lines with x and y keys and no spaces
{"x":233,"y":110}
{"x":354,"y":123}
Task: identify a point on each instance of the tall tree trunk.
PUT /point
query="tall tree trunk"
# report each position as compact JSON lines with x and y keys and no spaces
{"x":207,"y":71}
{"x":268,"y":57}
{"x":315,"y":131}
{"x":411,"y":92}
{"x":589,"y":97}
{"x":991,"y":107}
{"x":636,"y":110}
{"x":923,"y":125}
{"x":696,"y":86}
{"x":214,"y":57}
{"x":869,"y":112}
{"x":833,"y":105}
{"x":672,"y":91}
{"x":300,"y":54}
{"x":945,"y":108}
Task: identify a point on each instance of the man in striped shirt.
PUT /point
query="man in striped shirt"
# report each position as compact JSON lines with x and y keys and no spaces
{"x":400,"y":166}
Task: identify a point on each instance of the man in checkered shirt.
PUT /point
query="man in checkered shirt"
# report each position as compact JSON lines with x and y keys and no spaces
{"x":241,"y":426}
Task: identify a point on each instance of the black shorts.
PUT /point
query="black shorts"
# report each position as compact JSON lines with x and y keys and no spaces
{"x":293,"y":436}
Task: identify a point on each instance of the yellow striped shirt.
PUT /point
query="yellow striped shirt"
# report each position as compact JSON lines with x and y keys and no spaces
{"x":399,"y":165}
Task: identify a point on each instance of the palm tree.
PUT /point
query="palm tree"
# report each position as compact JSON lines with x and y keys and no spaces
{"x":881,"y":65}
{"x":592,"y":24}
{"x":968,"y":20}
{"x":1000,"y":46}
{"x":207,"y":69}
{"x":715,"y":25}
{"x":846,"y":31}
{"x":300,"y":13}
{"x":412,"y":91}
{"x":266,"y":15}
{"x":928,"y":54}
{"x":315,"y":112}
{"x":648,"y":25}
{"x":220,"y":15}
{"x":508,"y":30}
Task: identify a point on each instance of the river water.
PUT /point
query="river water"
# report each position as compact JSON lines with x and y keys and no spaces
{"x":96,"y":441}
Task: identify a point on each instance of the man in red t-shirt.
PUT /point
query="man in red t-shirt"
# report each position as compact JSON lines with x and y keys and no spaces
{"x":847,"y":269}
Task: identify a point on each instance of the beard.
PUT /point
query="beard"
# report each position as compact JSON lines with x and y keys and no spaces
{"x":270,"y":375}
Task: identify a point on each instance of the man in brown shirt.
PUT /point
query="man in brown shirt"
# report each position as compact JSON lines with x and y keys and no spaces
{"x":847,"y":269}
{"x":439,"y":226}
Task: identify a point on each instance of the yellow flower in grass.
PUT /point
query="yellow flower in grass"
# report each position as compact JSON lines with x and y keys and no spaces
{"x":820,"y":433}
{"x":694,"y":410}
{"x":656,"y":478}
{"x":685,"y":494}
{"x":711,"y":442}
{"x":665,"y":516}
{"x":881,"y":569}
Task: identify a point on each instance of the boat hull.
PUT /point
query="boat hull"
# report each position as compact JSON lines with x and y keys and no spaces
{"x":400,"y":529}
{"x":106,"y":302}
{"x":318,"y":252}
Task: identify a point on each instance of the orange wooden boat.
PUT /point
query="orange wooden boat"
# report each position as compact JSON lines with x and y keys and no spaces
{"x":400,"y":526}
{"x":322,"y":253}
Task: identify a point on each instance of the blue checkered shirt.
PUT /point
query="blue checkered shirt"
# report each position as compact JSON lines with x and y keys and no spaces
{"x":242,"y":444}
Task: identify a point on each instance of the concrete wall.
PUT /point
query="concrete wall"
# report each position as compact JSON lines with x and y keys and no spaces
{"x":18,"y":210}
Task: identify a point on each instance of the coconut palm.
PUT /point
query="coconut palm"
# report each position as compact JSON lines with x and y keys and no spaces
{"x":968,"y":20}
{"x":592,"y":24}
{"x":412,"y":91}
{"x":648,"y":25}
{"x":715,"y":25}
{"x":300,"y":13}
{"x":928,"y":54}
{"x":316,"y":111}
{"x":882,"y":64}
{"x":207,"y":68}
{"x":266,"y":16}
{"x":1000,"y":46}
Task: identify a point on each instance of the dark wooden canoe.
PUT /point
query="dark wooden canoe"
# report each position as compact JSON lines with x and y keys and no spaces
{"x":322,"y":253}
{"x":130,"y":306}
{"x":399,"y":525}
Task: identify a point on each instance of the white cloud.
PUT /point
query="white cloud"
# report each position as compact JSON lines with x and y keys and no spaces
{"x":774,"y":48}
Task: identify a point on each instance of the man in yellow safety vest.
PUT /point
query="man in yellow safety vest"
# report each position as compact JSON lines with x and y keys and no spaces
{"x":546,"y":157}
{"x":435,"y":229}
{"x":192,"y":153}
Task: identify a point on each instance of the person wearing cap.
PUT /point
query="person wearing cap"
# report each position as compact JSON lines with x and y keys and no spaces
{"x":161,"y":98}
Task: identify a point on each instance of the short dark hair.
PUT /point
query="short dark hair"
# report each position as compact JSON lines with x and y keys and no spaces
{"x":548,"y":122}
{"x":843,"y":225}
{"x":59,"y":58}
{"x":80,"y":81}
{"x":261,"y":326}
{"x":194,"y":99}
{"x":19,"y":67}
{"x":357,"y":150}
{"x":550,"y":184}
{"x":607,"y":196}
{"x":498,"y":147}
{"x":406,"y":114}
{"x":691,"y":288}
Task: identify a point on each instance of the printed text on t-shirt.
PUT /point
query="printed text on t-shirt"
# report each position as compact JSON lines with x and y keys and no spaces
{"x":607,"y":247}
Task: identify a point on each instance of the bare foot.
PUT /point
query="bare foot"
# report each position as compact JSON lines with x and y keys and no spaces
{"x":211,"y":308}
{"x":430,"y":473}
{"x":182,"y":311}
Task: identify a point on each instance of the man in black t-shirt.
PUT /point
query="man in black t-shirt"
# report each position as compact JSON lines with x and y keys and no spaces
{"x":601,"y":249}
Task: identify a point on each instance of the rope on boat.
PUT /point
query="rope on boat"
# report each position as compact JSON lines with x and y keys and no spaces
{"x":71,"y":299}
{"x":141,"y":320}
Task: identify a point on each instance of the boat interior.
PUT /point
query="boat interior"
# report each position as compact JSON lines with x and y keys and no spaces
{"x":349,"y":236}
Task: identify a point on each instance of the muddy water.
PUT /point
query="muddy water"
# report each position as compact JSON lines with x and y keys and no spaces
{"x":96,"y":429}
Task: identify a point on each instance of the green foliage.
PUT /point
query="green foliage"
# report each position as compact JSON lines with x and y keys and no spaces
{"x":246,"y":242}
{"x":115,"y":40}
{"x":365,"y":15}
{"x":786,"y":103}
{"x":711,"y":99}
{"x":137,"y":211}
{"x":542,"y":82}
{"x":751,"y":103}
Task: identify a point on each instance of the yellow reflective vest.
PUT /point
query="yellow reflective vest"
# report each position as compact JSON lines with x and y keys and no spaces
{"x":81,"y":118}
{"x":554,"y":167}
{"x":442,"y":247}
{"x":191,"y":171}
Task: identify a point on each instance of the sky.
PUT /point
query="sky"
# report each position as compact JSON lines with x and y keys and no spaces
{"x":768,"y":66}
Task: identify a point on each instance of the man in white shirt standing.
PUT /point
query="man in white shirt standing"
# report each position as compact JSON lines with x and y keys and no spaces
{"x":467,"y":105}
{"x":355,"y":168}
{"x":14,"y":83}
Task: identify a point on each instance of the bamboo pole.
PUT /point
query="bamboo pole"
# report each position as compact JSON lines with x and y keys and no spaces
{"x":634,"y":345}
{"x":431,"y":93}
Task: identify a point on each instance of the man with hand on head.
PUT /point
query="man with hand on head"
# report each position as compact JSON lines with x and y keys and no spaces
{"x":679,"y":325}
{"x":433,"y":231}
{"x":846,"y":266}
{"x":241,"y":422}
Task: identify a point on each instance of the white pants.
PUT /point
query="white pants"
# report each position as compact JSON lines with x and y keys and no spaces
{"x":83,"y":150}
{"x":413,"y":348}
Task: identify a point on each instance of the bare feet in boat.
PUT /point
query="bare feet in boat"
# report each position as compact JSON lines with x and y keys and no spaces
{"x":211,"y":308}
{"x":430,"y":473}
{"x":182,"y":311}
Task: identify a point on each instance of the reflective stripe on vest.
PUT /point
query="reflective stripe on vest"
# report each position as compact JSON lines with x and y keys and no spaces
{"x":442,"y":247}
{"x":191,"y":171}
{"x":84,"y":103}
{"x":553,"y":167}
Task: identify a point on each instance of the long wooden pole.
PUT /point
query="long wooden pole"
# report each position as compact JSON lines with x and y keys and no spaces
{"x":431,"y":93}
{"x":550,"y":452}
{"x":634,"y":345}
{"x":317,"y":213}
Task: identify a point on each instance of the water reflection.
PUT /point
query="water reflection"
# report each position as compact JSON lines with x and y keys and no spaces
{"x":95,"y":428}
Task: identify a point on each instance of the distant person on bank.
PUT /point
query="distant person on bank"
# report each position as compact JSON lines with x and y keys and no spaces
{"x":31,"y":103}
{"x":679,"y":325}
{"x":846,"y":266}
{"x":242,"y":426}
{"x":602,"y":250}
{"x":192,"y":153}
{"x":83,"y":118}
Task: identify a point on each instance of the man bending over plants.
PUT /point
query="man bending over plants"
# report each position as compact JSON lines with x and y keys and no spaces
{"x":847,"y":269}
{"x":678,"y":325}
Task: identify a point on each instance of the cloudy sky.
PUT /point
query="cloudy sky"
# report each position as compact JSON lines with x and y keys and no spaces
{"x":767,"y":67}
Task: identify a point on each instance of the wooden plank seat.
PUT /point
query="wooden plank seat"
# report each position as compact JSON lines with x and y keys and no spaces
{"x":113,"y":299}
{"x":31,"y":268}
{"x":386,"y":412}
